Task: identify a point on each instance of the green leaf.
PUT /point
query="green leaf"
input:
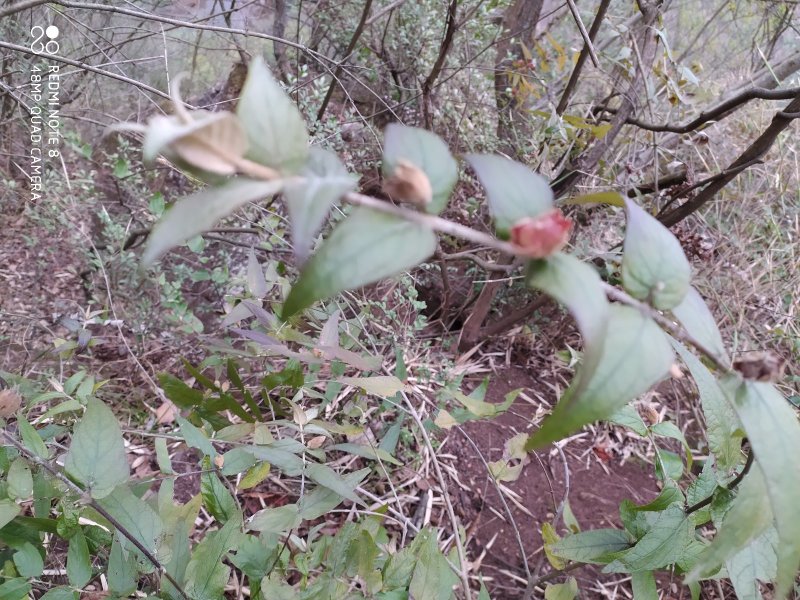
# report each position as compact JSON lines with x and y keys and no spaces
{"x":135,"y":515}
{"x":206,"y":573}
{"x":366,"y":452}
{"x":309,"y":200}
{"x":696,"y":318}
{"x":121,"y":572}
{"x":79,"y":565}
{"x":591,"y":546}
{"x":636,"y":355}
{"x":20,"y":480}
{"x":328,"y":478}
{"x":722,"y":425}
{"x":8,"y":510}
{"x":237,"y":460}
{"x":426,"y":151}
{"x":432,"y":578}
{"x":60,"y":593}
{"x":550,"y":537}
{"x":512,"y":189}
{"x":96,"y":457}
{"x":256,"y":284}
{"x":28,"y":561}
{"x":747,"y":518}
{"x":563,"y":591}
{"x":366,"y":247}
{"x":384,"y":386}
{"x":200,"y":211}
{"x":757,"y":562}
{"x":286,"y":461}
{"x":629,"y":417}
{"x":774,"y":433}
{"x":162,"y":456}
{"x":32,"y":440}
{"x":216,"y":497}
{"x":644,"y":585}
{"x":654,"y":267}
{"x":275,"y":520}
{"x":398,"y":569}
{"x":662,"y":545}
{"x":322,"y":500}
{"x":15,"y":589}
{"x":610,"y":198}
{"x":275,"y":128}
{"x":196,"y":438}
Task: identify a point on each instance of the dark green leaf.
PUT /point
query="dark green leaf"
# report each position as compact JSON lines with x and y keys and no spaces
{"x":662,"y":545}
{"x":636,"y":355}
{"x":426,"y":151}
{"x":366,"y":247}
{"x":654,"y":267}
{"x":206,"y":573}
{"x":96,"y":457}
{"x":512,"y":189}
{"x":696,"y":318}
{"x":275,"y":128}
{"x":79,"y":565}
{"x":200,"y":211}
{"x":310,"y":199}
{"x":592,"y":545}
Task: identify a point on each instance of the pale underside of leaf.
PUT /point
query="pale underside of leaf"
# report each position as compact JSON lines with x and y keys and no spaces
{"x":693,"y":313}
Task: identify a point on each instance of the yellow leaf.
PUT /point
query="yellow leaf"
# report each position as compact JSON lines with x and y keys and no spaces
{"x":612,"y":198}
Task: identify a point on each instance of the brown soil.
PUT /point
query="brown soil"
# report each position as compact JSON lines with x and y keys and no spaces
{"x":597,"y":484}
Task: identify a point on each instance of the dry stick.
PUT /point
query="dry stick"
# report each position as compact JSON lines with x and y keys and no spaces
{"x":757,"y":150}
{"x":444,"y":48}
{"x":93,"y":503}
{"x":350,"y":47}
{"x":587,"y":39}
{"x":717,"y":113}
{"x":576,"y":72}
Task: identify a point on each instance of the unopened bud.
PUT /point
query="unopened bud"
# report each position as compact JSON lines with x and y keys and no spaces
{"x":539,"y":237}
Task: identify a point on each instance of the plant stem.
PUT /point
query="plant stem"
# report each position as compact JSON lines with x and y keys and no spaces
{"x":74,"y":487}
{"x":731,"y":486}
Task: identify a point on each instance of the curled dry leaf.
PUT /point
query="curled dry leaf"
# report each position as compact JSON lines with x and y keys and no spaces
{"x":539,"y":237}
{"x":409,"y":183}
{"x":10,"y":401}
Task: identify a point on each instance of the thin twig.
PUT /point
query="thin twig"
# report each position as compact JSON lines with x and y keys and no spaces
{"x":587,"y":39}
{"x":731,"y":486}
{"x":533,"y":584}
{"x":74,"y":487}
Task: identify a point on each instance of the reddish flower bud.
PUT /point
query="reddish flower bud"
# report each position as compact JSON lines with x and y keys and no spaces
{"x":538,"y":237}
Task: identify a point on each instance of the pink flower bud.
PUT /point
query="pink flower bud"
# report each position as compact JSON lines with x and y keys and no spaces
{"x":538,"y":237}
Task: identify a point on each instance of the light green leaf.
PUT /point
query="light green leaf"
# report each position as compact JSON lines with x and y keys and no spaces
{"x":216,"y":497}
{"x":327,"y":477}
{"x":644,"y":585}
{"x":309,"y":200}
{"x":135,"y":515}
{"x":28,"y":561}
{"x":15,"y":589}
{"x":275,"y":520}
{"x":384,"y":386}
{"x":563,"y":591}
{"x":121,"y":572}
{"x":273,"y":588}
{"x":322,"y":500}
{"x":32,"y":440}
{"x":275,"y":128}
{"x":432,"y":578}
{"x":256,"y":284}
{"x":206,"y":573}
{"x":654,"y":267}
{"x":550,"y":537}
{"x":636,"y":355}
{"x":696,"y":318}
{"x":774,"y":433}
{"x":60,"y":593}
{"x":162,"y":456}
{"x":79,"y":565}
{"x":512,"y":189}
{"x":748,"y":517}
{"x":286,"y":461}
{"x":722,"y":425}
{"x":591,"y":546}
{"x":96,"y":457}
{"x":200,"y":211}
{"x":366,"y":452}
{"x":757,"y":562}
{"x":662,"y":545}
{"x":366,"y":247}
{"x":426,"y":151}
{"x":8,"y":510}
{"x":20,"y":480}
{"x":196,"y":438}
{"x":237,"y":460}
{"x":629,"y":417}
